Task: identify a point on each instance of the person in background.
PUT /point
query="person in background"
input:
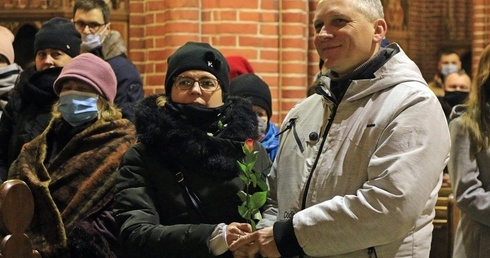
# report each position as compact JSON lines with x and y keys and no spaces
{"x":449,"y":62}
{"x":239,"y":65}
{"x":71,"y":167}
{"x":176,"y":193}
{"x":91,"y":18}
{"x":456,"y":90}
{"x":368,"y":184}
{"x":469,"y":166}
{"x":9,"y":70}
{"x":253,"y":88}
{"x":28,"y":111}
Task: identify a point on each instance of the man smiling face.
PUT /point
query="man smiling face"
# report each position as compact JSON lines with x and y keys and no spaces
{"x":342,"y":32}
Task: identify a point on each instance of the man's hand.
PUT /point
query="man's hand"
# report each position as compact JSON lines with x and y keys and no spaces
{"x":236,"y":230}
{"x":261,"y":240}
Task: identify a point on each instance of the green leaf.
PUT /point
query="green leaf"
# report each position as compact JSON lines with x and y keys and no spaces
{"x":253,"y":178}
{"x":242,"y":166}
{"x":257,"y":216}
{"x":263,"y":185}
{"x":244,"y":212}
{"x":254,"y":225}
{"x":258,"y":199}
{"x":250,"y":166}
{"x":242,"y":195}
{"x":244,"y":179}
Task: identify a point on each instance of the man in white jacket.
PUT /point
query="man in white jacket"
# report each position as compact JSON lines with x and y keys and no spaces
{"x":360,"y":163}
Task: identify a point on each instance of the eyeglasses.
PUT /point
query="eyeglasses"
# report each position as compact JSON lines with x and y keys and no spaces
{"x":186,"y":83}
{"x":92,"y":26}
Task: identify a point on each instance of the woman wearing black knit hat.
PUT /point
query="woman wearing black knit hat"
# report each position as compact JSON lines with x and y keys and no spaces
{"x":29,"y":109}
{"x":176,"y":194}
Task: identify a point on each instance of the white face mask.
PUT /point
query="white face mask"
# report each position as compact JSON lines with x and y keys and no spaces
{"x":449,"y":69}
{"x":262,"y":126}
{"x":92,"y":41}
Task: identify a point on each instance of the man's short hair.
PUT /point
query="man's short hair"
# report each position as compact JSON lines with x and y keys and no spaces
{"x":446,"y":52}
{"x":88,"y":5}
{"x":372,"y":9}
{"x":460,"y":73}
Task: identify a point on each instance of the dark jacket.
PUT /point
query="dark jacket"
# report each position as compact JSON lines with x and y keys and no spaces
{"x":153,"y":210}
{"x":129,"y":84}
{"x":27,"y":113}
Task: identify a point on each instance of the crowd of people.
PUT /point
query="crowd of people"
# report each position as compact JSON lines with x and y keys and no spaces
{"x":354,"y":169}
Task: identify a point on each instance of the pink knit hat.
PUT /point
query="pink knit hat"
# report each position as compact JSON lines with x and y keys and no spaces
{"x":92,"y":70}
{"x":6,"y":40}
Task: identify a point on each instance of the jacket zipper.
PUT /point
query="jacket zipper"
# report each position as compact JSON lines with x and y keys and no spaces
{"x":292,"y":125}
{"x":324,"y":138}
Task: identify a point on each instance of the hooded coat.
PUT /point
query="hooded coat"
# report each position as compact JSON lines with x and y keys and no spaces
{"x":369,"y":182}
{"x":153,"y":209}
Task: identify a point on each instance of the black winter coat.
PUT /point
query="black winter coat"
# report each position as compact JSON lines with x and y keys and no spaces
{"x":129,"y":83}
{"x":27,"y":113}
{"x":153,"y":210}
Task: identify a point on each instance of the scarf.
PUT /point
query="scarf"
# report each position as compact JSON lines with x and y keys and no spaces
{"x":76,"y":184}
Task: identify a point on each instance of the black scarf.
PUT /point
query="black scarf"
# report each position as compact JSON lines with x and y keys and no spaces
{"x":39,"y":87}
{"x":191,"y":148}
{"x":207,"y":119}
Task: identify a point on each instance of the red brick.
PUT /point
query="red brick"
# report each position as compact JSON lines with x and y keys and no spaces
{"x":289,"y":29}
{"x":295,"y":17}
{"x":245,"y":16}
{"x":294,"y":4}
{"x":136,"y":7}
{"x":155,"y":79}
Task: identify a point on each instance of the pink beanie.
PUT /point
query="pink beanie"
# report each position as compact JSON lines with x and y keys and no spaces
{"x":238,"y":65}
{"x":92,"y":70}
{"x":6,"y":40}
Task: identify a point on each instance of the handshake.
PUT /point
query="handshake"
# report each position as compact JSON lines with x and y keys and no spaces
{"x":247,"y":244}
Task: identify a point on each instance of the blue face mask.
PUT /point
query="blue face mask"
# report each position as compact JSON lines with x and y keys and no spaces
{"x":78,"y":107}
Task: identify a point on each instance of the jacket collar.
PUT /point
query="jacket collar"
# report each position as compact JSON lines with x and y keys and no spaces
{"x":188,"y":148}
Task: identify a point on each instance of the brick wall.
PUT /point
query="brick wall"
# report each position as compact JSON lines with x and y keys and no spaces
{"x":273,"y":35}
{"x":277,"y":37}
{"x":481,"y":28}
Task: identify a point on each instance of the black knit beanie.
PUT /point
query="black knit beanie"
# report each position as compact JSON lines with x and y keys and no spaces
{"x":252,"y":87}
{"x":197,"y":56}
{"x":58,"y":33}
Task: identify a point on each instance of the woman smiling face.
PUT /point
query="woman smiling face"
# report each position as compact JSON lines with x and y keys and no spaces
{"x":196,"y":94}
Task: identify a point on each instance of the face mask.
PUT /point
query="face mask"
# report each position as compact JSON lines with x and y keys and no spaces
{"x":262,"y":126}
{"x":454,"y":98}
{"x":449,"y":69}
{"x":92,"y":41}
{"x":77,"y":107}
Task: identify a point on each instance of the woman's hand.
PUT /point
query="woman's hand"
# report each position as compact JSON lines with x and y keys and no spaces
{"x":236,"y":230}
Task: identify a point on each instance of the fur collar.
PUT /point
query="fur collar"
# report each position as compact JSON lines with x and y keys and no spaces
{"x":113,"y":45}
{"x":189,"y":149}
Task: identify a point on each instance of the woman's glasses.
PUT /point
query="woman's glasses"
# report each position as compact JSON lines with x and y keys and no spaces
{"x":186,"y":83}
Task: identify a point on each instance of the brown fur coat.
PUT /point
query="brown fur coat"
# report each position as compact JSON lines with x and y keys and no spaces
{"x":73,"y":184}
